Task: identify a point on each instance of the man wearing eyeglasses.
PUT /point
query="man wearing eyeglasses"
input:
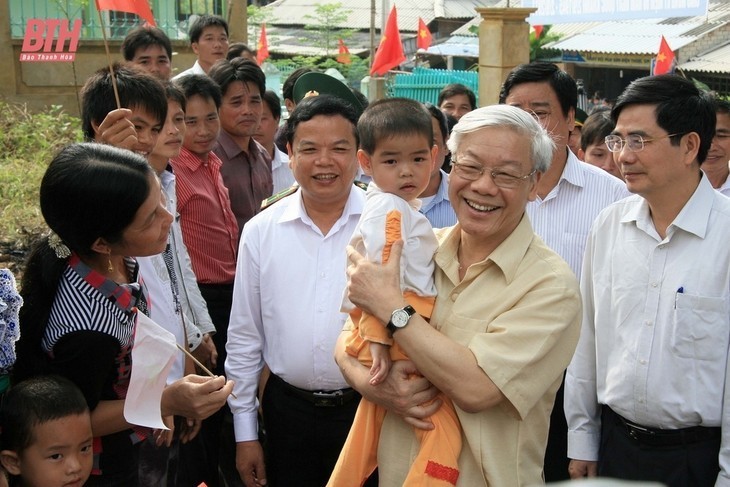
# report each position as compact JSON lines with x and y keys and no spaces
{"x":647,"y":395}
{"x":569,"y":197}
{"x":504,"y":324}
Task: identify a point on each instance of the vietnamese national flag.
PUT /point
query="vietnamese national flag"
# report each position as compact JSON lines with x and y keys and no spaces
{"x":344,"y":54}
{"x":424,"y":35}
{"x":390,"y":52}
{"x":139,"y":7}
{"x":664,"y":59}
{"x":262,"y":48}
{"x":538,"y":31}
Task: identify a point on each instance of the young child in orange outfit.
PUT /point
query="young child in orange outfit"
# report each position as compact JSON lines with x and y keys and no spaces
{"x":397,"y":151}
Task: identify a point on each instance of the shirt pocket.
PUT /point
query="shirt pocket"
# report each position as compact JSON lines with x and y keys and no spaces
{"x":700,"y":327}
{"x":462,"y":329}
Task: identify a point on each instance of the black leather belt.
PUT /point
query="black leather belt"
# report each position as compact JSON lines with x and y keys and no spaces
{"x":335,"y":398}
{"x":659,"y":437}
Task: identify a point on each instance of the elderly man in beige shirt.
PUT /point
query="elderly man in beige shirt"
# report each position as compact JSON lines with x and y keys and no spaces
{"x":506,"y":318}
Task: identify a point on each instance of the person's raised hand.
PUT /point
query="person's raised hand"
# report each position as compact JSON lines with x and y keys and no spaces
{"x":117,"y":129}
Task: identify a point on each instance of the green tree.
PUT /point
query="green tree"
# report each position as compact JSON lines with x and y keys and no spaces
{"x":256,"y":17}
{"x":326,"y":20}
{"x":537,"y":45}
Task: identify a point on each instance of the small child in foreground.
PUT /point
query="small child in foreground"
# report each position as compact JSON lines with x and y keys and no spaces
{"x":46,"y":434}
{"x":397,"y":151}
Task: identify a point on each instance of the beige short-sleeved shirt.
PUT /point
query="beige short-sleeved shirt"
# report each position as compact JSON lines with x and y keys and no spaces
{"x":518,"y":311}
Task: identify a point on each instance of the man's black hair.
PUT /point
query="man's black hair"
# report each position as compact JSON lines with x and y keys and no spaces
{"x":562,"y":84}
{"x":680,"y":107}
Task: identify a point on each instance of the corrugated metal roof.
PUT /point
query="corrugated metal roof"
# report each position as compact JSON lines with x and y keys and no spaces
{"x":461,"y":46}
{"x":294,"y":12}
{"x":628,"y":37}
{"x":642,"y":36}
{"x":714,"y":61}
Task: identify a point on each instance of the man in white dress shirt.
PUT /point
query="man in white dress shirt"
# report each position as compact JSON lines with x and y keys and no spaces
{"x":646,"y":395}
{"x":209,"y":41}
{"x":290,"y":277}
{"x":569,"y":197}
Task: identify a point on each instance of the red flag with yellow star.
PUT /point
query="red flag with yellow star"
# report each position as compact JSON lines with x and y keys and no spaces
{"x":424,"y":35}
{"x":343,"y":55}
{"x":664,"y":59}
{"x":139,"y":7}
{"x":390,"y":52}
{"x":262,"y":48}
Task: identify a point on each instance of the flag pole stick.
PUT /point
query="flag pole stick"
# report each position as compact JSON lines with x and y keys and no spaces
{"x":109,"y":59}
{"x":197,"y":362}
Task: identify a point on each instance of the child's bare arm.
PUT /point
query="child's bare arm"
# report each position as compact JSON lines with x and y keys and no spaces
{"x":381,"y":362}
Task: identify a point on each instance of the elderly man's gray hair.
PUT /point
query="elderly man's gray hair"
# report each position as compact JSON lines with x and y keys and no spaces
{"x":514,"y":118}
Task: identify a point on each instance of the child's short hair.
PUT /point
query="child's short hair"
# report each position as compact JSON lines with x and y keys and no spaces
{"x":136,"y":88}
{"x":392,"y":117}
{"x":36,"y":401}
{"x":196,"y":30}
{"x":597,"y":126}
{"x":201,"y":85}
{"x":145,"y":36}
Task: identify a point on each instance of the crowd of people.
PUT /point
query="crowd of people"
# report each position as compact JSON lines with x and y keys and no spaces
{"x":384,"y":293}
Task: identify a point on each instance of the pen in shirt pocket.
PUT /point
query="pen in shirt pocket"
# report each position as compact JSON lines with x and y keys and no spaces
{"x":676,"y":296}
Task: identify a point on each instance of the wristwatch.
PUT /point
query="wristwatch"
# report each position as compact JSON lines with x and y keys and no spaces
{"x":399,"y":318}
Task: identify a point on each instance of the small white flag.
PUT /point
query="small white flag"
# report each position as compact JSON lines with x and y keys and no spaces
{"x":153,"y":354}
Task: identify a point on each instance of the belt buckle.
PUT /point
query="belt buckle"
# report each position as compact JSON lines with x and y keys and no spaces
{"x":636,"y":430}
{"x":327,"y":399}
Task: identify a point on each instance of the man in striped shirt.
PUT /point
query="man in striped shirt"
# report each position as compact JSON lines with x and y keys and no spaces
{"x":209,"y":227}
{"x":569,"y":197}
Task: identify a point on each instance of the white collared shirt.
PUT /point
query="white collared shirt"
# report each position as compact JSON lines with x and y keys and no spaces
{"x":656,"y":322}
{"x":195,"y":69}
{"x":286,"y":303}
{"x":162,"y":307}
{"x":280,"y":171}
{"x":564,"y":218}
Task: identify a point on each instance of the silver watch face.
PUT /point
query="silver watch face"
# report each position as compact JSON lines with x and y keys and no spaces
{"x":400,"y":318}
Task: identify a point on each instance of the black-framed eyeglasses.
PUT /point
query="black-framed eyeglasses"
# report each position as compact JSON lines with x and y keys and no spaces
{"x":634,"y":142}
{"x":471,"y":171}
